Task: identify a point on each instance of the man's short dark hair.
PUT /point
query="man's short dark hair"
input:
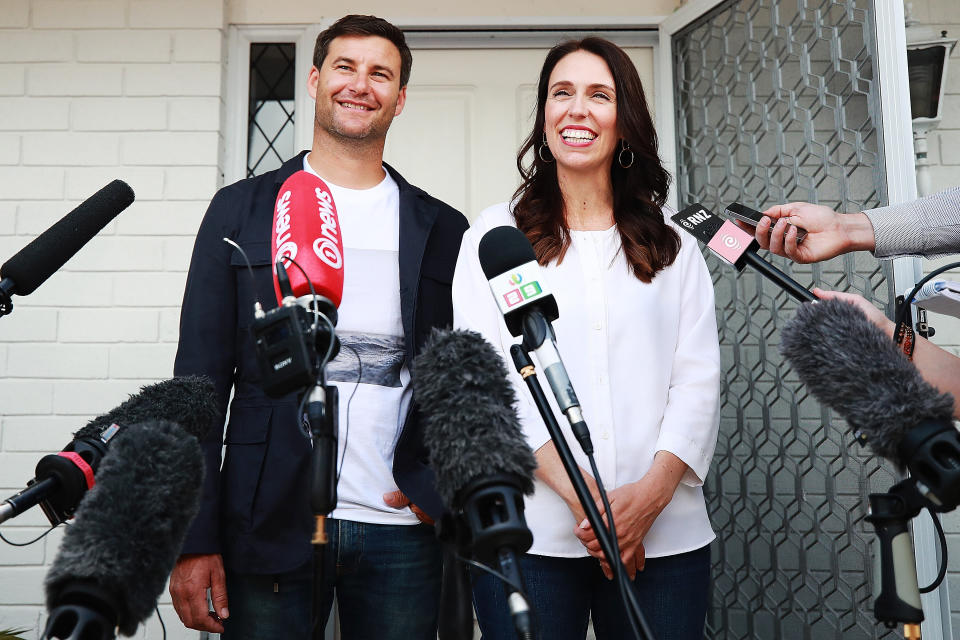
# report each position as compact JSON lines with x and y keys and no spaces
{"x":357,"y":25}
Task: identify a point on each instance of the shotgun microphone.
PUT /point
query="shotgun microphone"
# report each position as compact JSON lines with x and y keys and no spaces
{"x":31,"y":266}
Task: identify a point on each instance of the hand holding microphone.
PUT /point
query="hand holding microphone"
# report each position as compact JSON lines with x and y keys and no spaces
{"x":829,"y":233}
{"x":735,"y":246}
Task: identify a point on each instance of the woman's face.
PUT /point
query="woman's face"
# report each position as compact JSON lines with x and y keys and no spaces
{"x":581,"y":113}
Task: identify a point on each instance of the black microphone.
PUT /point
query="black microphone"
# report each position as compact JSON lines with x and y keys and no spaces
{"x":528,"y":308}
{"x":40,"y":259}
{"x":62,"y":479}
{"x":481,"y":459}
{"x":114,"y":561}
{"x":737,"y":247}
{"x":853,"y":367}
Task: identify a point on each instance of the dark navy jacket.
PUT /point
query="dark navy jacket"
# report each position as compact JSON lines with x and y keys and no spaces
{"x":255,"y":511}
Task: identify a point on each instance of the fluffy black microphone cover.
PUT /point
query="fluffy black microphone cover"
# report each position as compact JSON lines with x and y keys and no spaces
{"x":130,"y":527}
{"x":40,"y":259}
{"x":851,"y":366}
{"x":470,"y":423}
{"x":188,"y":401}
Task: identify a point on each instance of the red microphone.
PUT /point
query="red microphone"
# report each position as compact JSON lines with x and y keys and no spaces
{"x":306,"y":229}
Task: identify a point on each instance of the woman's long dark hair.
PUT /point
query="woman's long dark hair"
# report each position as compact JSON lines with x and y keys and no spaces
{"x":649,"y":244}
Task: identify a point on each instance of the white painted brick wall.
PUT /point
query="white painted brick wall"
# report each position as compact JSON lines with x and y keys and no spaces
{"x":91,"y":91}
{"x":8,"y":217}
{"x":32,"y":183}
{"x":34,"y":114}
{"x":110,"y":114}
{"x":9,"y":148}
{"x":66,"y":79}
{"x":70,"y":14}
{"x":71,"y":148}
{"x":12,"y":81}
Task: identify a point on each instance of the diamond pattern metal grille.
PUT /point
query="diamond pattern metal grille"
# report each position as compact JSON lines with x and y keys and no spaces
{"x":270,"y":138}
{"x":776,"y":101}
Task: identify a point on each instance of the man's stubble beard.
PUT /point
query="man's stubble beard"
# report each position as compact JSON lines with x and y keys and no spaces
{"x":371,"y":135}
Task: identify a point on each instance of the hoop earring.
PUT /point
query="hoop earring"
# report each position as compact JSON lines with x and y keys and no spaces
{"x":625,"y":147}
{"x":543,"y":146}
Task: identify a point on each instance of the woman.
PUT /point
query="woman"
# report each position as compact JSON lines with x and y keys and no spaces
{"x":637,"y":333}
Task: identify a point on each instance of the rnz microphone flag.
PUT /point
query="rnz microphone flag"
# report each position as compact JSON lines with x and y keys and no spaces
{"x":306,"y":229}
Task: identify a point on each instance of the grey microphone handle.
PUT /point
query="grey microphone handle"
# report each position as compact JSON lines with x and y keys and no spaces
{"x":538,"y":337}
{"x":898,"y":594}
{"x":6,"y":511}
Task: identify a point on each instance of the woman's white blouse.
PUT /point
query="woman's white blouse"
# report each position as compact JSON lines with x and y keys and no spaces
{"x":644,"y":361}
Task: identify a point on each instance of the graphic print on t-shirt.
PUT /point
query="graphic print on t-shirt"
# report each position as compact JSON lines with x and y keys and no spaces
{"x":381,"y":357}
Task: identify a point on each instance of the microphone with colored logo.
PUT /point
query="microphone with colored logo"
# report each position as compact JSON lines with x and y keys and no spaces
{"x":295,"y":341}
{"x":306,"y":249}
{"x":734,"y":245}
{"x":306,"y":229}
{"x":528,"y":308}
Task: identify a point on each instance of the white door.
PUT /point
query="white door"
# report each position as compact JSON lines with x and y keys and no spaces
{"x":467,"y":112}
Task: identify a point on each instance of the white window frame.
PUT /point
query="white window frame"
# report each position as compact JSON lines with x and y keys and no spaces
{"x":235,"y":136}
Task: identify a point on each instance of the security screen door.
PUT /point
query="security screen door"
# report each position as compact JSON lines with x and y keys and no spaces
{"x":777,"y":101}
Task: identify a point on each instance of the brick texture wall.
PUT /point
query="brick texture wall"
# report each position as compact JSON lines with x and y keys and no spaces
{"x":92,"y":90}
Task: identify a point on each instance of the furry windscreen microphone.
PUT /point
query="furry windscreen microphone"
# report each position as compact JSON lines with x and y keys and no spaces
{"x":470,"y":421}
{"x":187,"y":400}
{"x":129,"y":529}
{"x":851,"y":366}
{"x":40,"y":259}
{"x":62,"y":479}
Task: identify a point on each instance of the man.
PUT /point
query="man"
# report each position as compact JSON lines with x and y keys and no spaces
{"x":250,"y":544}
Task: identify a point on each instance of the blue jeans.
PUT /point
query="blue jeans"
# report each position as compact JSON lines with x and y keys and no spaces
{"x":386,"y":579}
{"x":565,"y":592}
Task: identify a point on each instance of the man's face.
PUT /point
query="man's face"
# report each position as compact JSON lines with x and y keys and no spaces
{"x":357,"y":88}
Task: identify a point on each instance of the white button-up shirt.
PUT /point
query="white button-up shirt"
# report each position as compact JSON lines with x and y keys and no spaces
{"x":644,"y":360}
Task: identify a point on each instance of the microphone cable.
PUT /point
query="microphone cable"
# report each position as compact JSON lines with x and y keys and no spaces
{"x":623,"y":581}
{"x":163,"y":627}
{"x":30,"y":542}
{"x":518,"y":587}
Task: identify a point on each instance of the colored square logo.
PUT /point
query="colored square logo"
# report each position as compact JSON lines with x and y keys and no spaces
{"x":531,"y":289}
{"x":513,"y":297}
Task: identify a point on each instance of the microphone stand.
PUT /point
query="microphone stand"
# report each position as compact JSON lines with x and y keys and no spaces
{"x":525,"y":368}
{"x":320,"y":417}
{"x":898,"y":598}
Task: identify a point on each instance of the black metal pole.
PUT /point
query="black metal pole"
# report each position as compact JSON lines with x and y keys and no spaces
{"x":525,"y":368}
